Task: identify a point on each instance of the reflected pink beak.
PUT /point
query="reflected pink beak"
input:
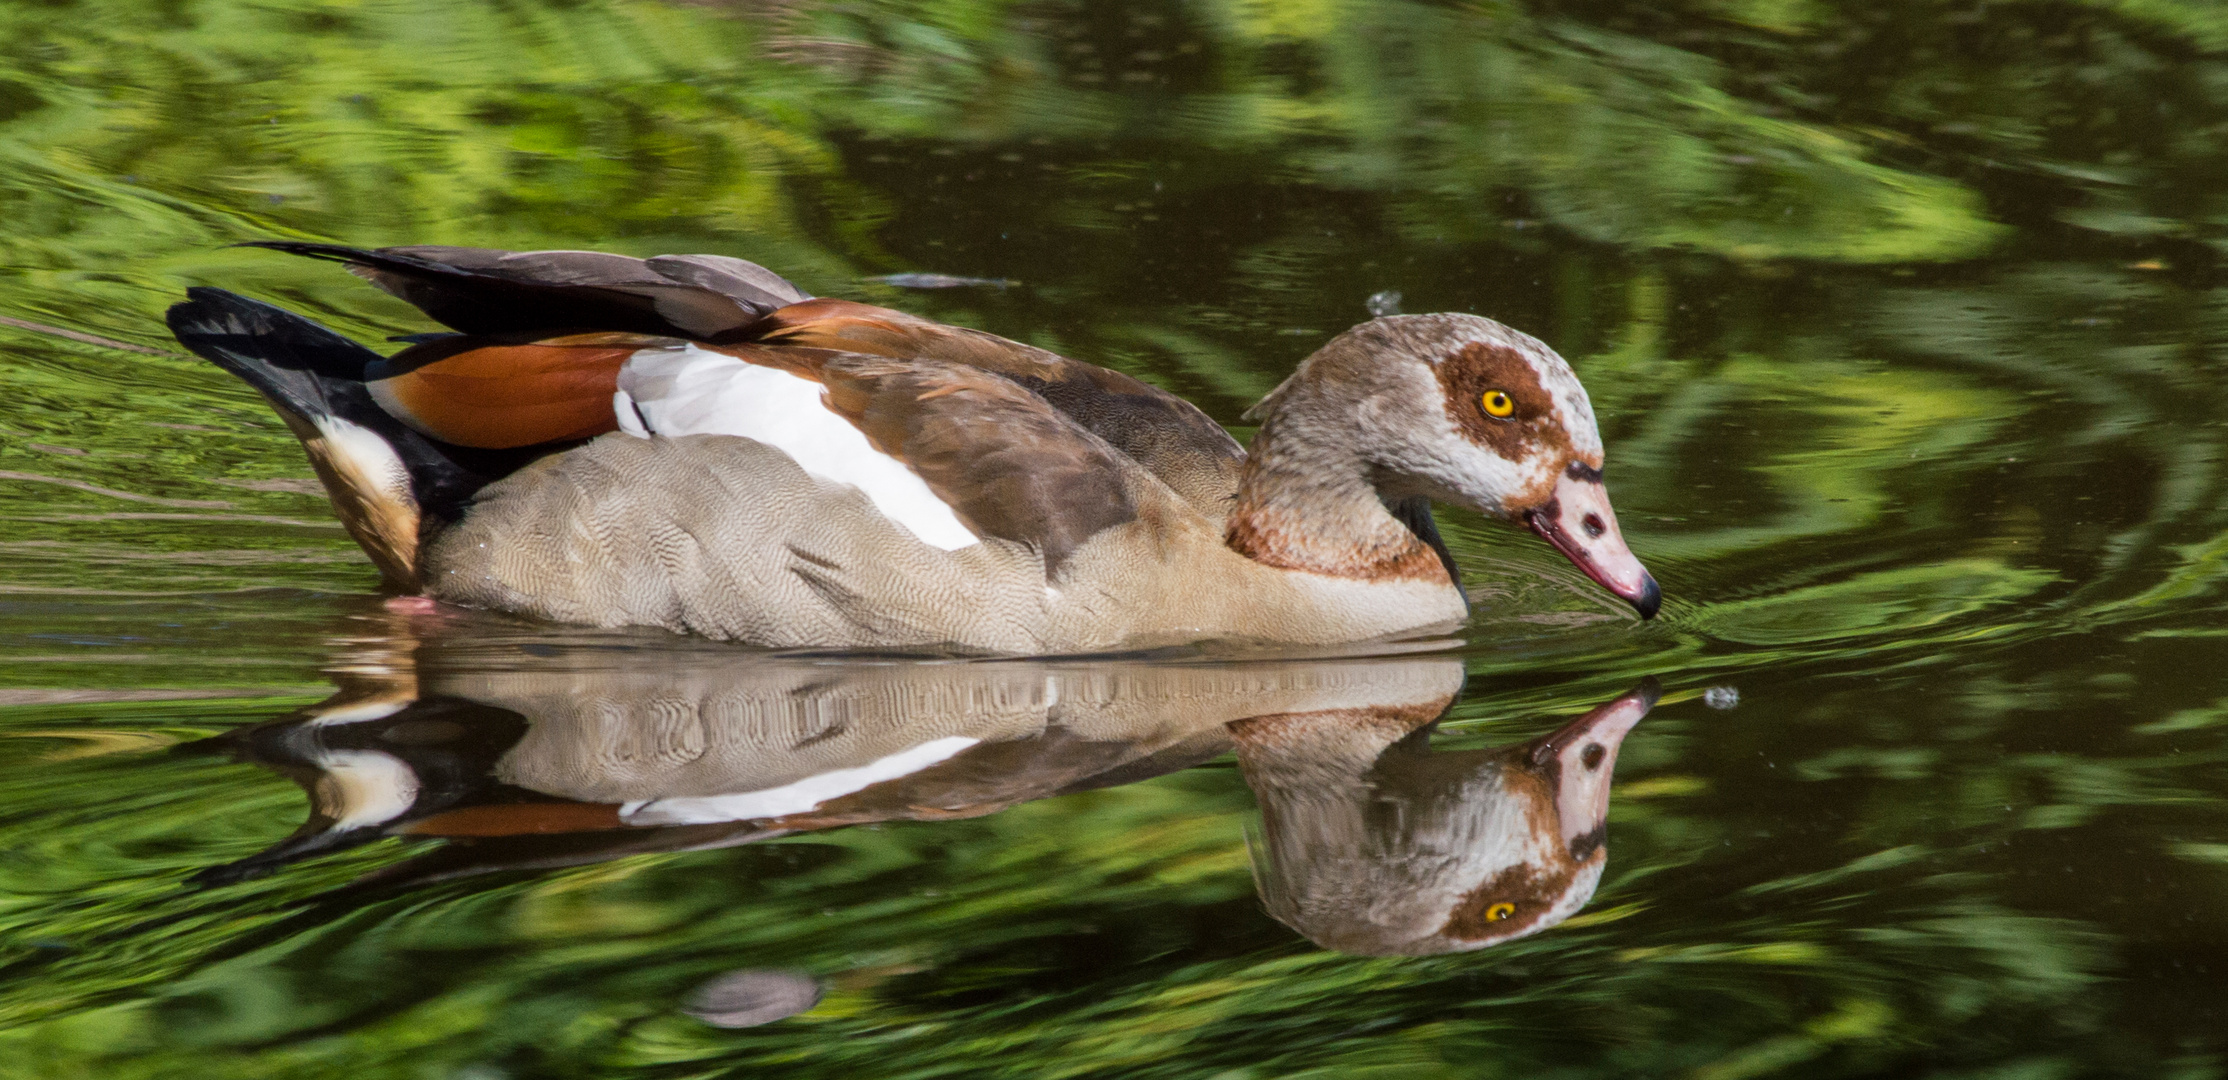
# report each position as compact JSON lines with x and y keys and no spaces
{"x":1581,"y":525}
{"x":1587,"y":750}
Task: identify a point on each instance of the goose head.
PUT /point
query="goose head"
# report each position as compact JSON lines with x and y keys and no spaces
{"x":1462,"y":410}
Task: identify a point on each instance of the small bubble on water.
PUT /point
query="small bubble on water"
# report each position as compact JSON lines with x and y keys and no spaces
{"x":1384,"y":303}
{"x":1721,"y":697}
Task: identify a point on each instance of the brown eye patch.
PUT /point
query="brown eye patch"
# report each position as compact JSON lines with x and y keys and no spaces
{"x":1496,"y":400}
{"x":1506,"y":904}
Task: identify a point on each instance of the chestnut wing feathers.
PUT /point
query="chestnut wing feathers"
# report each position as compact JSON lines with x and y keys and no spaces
{"x":475,"y":391}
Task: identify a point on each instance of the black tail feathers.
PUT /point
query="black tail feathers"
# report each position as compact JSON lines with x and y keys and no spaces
{"x":315,"y":378}
{"x":299,"y":365}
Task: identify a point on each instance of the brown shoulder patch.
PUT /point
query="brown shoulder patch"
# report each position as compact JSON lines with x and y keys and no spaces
{"x":841,"y":324}
{"x":1009,"y":465}
{"x":1479,"y":368}
{"x":1165,"y":434}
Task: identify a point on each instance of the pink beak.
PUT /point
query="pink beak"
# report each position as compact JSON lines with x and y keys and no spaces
{"x":1581,"y":525}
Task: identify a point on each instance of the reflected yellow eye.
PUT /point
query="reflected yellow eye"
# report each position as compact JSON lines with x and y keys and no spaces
{"x":1504,"y":909}
{"x":1498,"y":404}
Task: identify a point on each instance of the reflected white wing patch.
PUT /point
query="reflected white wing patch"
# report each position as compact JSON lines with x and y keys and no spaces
{"x":796,"y":798}
{"x":693,"y":391}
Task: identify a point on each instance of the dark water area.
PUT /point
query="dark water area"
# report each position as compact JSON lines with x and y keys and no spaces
{"x":1905,"y":323}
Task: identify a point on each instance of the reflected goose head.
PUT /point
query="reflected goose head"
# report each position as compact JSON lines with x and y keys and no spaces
{"x":1462,"y":410}
{"x":1372,"y":844}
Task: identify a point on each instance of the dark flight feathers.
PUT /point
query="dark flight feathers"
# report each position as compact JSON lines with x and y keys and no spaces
{"x":544,"y":293}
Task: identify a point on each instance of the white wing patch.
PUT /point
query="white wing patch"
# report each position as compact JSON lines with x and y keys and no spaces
{"x":796,"y":798}
{"x":693,"y":391}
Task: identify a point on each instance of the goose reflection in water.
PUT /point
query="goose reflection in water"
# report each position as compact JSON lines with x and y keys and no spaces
{"x":527,"y":754}
{"x":1371,"y":843}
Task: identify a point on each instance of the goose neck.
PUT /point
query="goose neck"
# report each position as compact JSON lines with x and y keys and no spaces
{"x":1306,"y":502}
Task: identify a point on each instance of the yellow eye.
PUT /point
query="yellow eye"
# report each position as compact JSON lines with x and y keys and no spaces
{"x":1504,"y":909}
{"x":1498,"y":404}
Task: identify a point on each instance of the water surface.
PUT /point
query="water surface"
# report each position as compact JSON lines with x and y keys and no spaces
{"x":1904,"y":322}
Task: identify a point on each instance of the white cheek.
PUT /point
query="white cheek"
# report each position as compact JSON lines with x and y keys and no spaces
{"x":1577,"y":417}
{"x":1491,"y":831}
{"x":693,"y":391}
{"x":1478,"y":477}
{"x":1581,"y":889}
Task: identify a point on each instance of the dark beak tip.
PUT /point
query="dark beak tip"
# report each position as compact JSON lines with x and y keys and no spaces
{"x":1650,"y":599}
{"x":1649,"y":691}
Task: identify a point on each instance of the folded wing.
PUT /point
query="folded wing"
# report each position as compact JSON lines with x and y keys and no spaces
{"x":544,"y":334}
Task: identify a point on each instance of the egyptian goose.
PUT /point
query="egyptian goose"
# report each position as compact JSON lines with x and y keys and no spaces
{"x":691,"y":442}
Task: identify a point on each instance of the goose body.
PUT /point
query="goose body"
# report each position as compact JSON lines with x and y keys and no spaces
{"x":693,"y":443}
